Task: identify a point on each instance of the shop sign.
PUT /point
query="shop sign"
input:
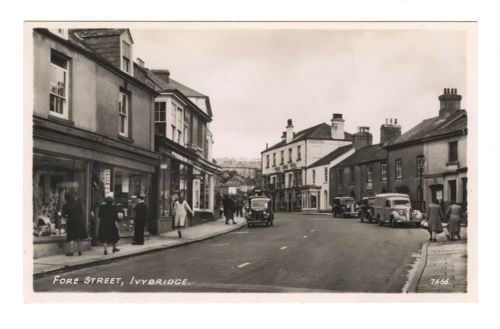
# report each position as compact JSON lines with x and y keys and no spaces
{"x":163,"y":166}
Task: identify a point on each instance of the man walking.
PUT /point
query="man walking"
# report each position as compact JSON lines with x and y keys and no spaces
{"x":229,"y":206}
{"x":141,"y":218}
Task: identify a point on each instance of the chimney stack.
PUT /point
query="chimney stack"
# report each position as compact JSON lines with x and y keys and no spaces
{"x":283,"y":135}
{"x":140,"y":62}
{"x":389,"y":131}
{"x":362,"y":138}
{"x":449,"y":102}
{"x":289,"y":131}
{"x":337,"y":130}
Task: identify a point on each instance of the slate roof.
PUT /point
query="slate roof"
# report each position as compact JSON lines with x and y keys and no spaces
{"x":367,"y":154}
{"x":433,"y":127}
{"x":332,"y":156}
{"x":320,"y":131}
{"x":172,"y":84}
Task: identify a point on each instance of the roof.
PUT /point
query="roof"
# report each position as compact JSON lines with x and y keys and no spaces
{"x":320,"y":131}
{"x":332,"y":156}
{"x":95,"y":33}
{"x":392,"y":195}
{"x":367,"y":154}
{"x":171,"y":84}
{"x":432,"y":128}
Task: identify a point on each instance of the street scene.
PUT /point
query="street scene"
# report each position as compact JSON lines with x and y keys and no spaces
{"x":314,"y":161}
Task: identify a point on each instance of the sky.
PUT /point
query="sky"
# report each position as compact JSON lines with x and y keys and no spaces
{"x":258,"y":78}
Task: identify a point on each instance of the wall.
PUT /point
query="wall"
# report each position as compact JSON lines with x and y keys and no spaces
{"x":271,"y":169}
{"x":408,"y":156}
{"x":82,"y":91}
{"x":317,"y":149}
{"x":140,"y":109}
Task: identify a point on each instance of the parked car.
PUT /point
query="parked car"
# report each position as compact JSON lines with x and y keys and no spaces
{"x":259,"y":210}
{"x":366,"y":209}
{"x":344,"y":206}
{"x":395,"y":208}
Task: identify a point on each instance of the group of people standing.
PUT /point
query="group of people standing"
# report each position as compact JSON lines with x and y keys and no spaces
{"x":231,"y":206}
{"x":435,"y":217}
{"x":107,"y":233}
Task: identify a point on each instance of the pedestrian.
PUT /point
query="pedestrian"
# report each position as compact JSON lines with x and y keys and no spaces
{"x":229,"y":205}
{"x":181,"y":210}
{"x":454,"y":215}
{"x":75,"y":225}
{"x":141,"y":218}
{"x":239,"y":207}
{"x":434,"y":217}
{"x":108,"y":225}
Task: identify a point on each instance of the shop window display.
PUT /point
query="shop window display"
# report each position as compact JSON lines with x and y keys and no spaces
{"x":128,"y":186}
{"x":54,"y":178}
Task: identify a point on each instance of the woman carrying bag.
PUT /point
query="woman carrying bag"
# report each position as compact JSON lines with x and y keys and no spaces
{"x":181,"y":210}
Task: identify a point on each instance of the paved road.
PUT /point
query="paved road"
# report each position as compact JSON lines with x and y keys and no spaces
{"x":300,"y":253}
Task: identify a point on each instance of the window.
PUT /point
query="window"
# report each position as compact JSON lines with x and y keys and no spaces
{"x":289,"y":155}
{"x":399,"y":169}
{"x":453,"y":151}
{"x":160,"y":118}
{"x":383,"y":171}
{"x":59,"y":85}
{"x":326,"y":174}
{"x":352,"y":175}
{"x":267,"y":161}
{"x":290,"y":180}
{"x":274,"y":159}
{"x":123,"y":113}
{"x":187,"y":128}
{"x":177,"y":124}
{"x":282,"y":160}
{"x":126,"y":55}
{"x":299,"y":155}
{"x":369,"y":173}
{"x":314,"y":176}
{"x":452,"y":188}
{"x":420,"y":165}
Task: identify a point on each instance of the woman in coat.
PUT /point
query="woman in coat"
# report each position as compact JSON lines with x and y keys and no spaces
{"x":108,"y":230}
{"x":454,"y":215}
{"x":181,"y":209}
{"x":75,"y":225}
{"x":435,"y":218}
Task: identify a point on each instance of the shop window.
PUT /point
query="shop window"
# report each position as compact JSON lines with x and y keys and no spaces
{"x":54,"y":178}
{"x":59,"y":85}
{"x":313,"y":201}
{"x":123,"y":114}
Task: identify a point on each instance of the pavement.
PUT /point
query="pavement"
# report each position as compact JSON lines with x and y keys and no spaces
{"x":441,"y":268}
{"x":300,"y":253}
{"x":62,"y":263}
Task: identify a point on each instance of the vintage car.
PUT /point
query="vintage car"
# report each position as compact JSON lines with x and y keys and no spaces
{"x":344,"y":206}
{"x":366,"y":209}
{"x":259,"y":210}
{"x":394,"y":209}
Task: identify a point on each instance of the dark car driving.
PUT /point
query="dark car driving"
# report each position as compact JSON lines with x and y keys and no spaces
{"x":259,"y":210}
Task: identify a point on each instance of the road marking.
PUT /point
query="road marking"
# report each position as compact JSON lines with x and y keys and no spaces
{"x":305,"y":236}
{"x":241,"y":232}
{"x":284,"y":247}
{"x":243,"y":265}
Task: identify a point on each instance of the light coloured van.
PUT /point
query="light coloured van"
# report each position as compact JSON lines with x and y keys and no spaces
{"x":394,"y":209}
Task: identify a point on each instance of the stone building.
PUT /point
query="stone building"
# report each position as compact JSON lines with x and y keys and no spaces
{"x":430,"y":160}
{"x":284,"y":164}
{"x":365,"y":172}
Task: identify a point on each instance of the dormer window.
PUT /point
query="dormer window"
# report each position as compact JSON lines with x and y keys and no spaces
{"x":126,"y":57}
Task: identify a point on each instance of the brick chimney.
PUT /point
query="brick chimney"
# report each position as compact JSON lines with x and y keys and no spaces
{"x":362,"y":138}
{"x":389,"y":131}
{"x":449,"y":102}
{"x":337,"y":130}
{"x":283,"y":136}
{"x":289,"y":131}
{"x":140,"y":62}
